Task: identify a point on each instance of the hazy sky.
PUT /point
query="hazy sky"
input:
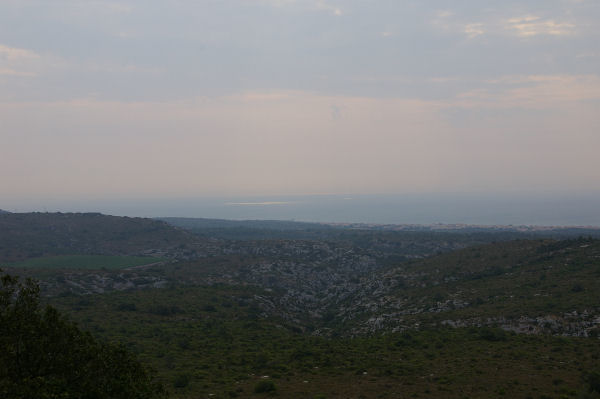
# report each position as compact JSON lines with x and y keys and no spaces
{"x":240,"y":97}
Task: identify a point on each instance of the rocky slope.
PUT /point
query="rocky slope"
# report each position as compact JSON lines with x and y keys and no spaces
{"x":355,"y":283}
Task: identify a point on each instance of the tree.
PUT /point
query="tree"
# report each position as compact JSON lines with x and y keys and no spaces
{"x":44,"y":355}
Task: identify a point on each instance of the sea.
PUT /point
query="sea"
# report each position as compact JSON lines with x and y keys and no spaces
{"x":564,"y":209}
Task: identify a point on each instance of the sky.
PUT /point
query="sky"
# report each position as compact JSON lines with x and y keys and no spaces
{"x":181,"y":98}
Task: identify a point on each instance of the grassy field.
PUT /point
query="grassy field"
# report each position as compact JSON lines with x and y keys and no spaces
{"x":86,"y":262}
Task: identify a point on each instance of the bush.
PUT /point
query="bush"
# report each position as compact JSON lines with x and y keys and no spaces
{"x":181,"y":381}
{"x":593,"y":381}
{"x":265,"y":386}
{"x":165,"y":310}
{"x":127,"y":307}
{"x":492,"y":334}
{"x":577,"y":288}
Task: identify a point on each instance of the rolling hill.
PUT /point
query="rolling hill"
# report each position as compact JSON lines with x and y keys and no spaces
{"x":354,"y":313}
{"x":29,"y":235}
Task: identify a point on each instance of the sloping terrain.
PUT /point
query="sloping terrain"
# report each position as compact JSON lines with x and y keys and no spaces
{"x":526,"y":286}
{"x":222,"y":342}
{"x":356,"y":314}
{"x":312,"y":271}
{"x":357,"y":282}
{"x":29,"y":235}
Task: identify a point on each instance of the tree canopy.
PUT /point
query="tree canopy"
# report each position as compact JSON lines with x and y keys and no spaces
{"x":44,"y":355}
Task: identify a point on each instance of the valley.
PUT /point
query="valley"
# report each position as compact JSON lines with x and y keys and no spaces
{"x":217,"y":307}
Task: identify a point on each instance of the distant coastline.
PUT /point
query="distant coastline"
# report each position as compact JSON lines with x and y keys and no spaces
{"x":441,"y":210}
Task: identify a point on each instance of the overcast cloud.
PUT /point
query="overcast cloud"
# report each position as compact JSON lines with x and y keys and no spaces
{"x":179,"y":98}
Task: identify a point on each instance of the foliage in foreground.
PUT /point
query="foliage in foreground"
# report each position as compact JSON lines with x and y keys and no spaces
{"x":43,"y":355}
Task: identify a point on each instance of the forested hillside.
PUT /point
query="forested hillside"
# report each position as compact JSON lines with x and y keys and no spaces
{"x":28,"y":235}
{"x":341,"y":312}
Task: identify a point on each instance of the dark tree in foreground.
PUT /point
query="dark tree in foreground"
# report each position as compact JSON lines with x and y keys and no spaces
{"x":43,"y":355}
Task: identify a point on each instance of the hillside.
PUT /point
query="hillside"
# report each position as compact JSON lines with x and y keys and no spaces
{"x":356,"y":313}
{"x":525,"y":286}
{"x":515,"y":319}
{"x":225,"y":342}
{"x":29,"y":235}
{"x":324,"y":261}
{"x":355,"y":282}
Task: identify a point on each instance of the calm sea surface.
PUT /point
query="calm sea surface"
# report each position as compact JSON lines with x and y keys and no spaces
{"x":572,"y":210}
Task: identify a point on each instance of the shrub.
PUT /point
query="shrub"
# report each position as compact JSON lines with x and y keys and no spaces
{"x":265,"y":386}
{"x":492,"y":334}
{"x":181,"y":381}
{"x":593,"y":381}
{"x":127,"y":307}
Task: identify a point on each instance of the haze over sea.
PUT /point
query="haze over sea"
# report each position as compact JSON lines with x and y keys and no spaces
{"x":483,"y":209}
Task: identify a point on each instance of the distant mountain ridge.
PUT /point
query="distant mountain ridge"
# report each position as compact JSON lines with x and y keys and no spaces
{"x":3,"y":211}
